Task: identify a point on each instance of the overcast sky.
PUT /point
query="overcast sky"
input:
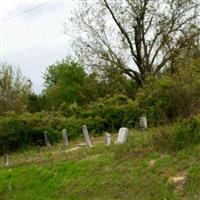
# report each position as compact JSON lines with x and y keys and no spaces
{"x":31,"y":35}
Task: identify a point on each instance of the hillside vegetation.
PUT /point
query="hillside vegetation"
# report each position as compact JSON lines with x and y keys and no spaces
{"x":132,"y":171}
{"x":132,"y":60}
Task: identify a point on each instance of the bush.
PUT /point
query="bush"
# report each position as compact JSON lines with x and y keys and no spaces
{"x":111,"y":112}
{"x":179,"y":136}
{"x":167,"y":97}
{"x":155,"y":100}
{"x":73,"y":126}
{"x":96,"y":125}
{"x":22,"y":131}
{"x":105,"y":114}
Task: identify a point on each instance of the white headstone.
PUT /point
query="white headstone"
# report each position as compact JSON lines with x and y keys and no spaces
{"x":6,"y":160}
{"x":47,"y":141}
{"x":65,"y":139}
{"x":108,"y":139}
{"x":143,"y":123}
{"x":86,"y":136}
{"x":122,"y":135}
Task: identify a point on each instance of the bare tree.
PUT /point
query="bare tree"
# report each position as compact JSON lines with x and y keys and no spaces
{"x":14,"y":89}
{"x":137,"y":37}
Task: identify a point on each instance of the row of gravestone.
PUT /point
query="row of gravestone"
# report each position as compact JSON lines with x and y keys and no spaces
{"x":121,"y":138}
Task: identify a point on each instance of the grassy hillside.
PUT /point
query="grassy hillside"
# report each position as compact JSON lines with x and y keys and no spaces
{"x":134,"y":171}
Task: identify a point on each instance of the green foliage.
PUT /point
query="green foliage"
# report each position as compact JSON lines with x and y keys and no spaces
{"x":165,"y":98}
{"x":73,"y":126}
{"x":105,"y":114}
{"x":96,"y":125}
{"x":111,"y":112}
{"x":36,"y":103}
{"x":104,"y":103}
{"x":134,"y":170}
{"x":179,"y":136}
{"x":155,"y":100}
{"x":21,"y":131}
{"x":67,"y":83}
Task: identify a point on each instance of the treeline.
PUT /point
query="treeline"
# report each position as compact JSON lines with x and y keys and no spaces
{"x":72,"y":98}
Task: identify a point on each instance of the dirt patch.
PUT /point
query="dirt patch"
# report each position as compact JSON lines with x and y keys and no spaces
{"x":152,"y":163}
{"x":179,"y":180}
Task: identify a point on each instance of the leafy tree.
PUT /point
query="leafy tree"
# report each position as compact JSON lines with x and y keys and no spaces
{"x":66,"y":82}
{"x":14,"y":89}
{"x":136,"y":37}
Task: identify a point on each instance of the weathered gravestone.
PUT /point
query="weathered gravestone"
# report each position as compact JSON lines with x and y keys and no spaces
{"x":122,"y":135}
{"x":108,"y":139}
{"x":143,"y":123}
{"x":86,"y":136}
{"x":47,"y":141}
{"x":65,"y":139}
{"x":6,"y":160}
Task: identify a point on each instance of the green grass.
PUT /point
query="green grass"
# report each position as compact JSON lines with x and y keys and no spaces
{"x":120,"y":172}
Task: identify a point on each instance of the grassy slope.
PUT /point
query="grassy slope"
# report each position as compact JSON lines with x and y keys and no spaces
{"x":132,"y":171}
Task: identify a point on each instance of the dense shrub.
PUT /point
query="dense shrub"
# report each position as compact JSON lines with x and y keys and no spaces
{"x":95,"y":125}
{"x":112,"y":112}
{"x":73,"y":126}
{"x":178,"y":136}
{"x":105,"y":114}
{"x":21,"y":131}
{"x":167,"y":97}
{"x":108,"y":114}
{"x":155,"y":100}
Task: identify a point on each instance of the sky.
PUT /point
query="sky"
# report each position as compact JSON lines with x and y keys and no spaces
{"x":31,"y":35}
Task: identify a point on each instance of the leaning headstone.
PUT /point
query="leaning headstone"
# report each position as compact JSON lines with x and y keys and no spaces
{"x":6,"y":160}
{"x":47,"y":141}
{"x":65,"y":139}
{"x":143,"y":123}
{"x":122,"y":135}
{"x":86,"y":136}
{"x":108,"y":139}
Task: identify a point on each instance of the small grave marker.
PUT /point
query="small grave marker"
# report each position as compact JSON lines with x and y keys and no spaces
{"x":143,"y":123}
{"x":47,"y":141}
{"x":108,"y":139}
{"x":65,"y":139}
{"x":6,"y":160}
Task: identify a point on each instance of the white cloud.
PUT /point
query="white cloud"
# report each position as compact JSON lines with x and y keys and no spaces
{"x":33,"y":40}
